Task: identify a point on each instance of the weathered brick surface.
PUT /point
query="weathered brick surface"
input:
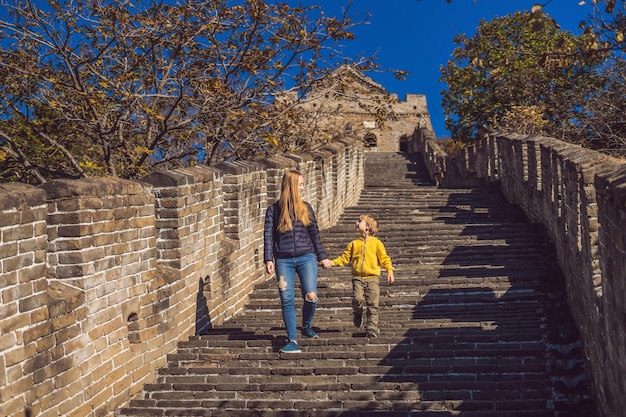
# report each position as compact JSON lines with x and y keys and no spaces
{"x":23,"y":296}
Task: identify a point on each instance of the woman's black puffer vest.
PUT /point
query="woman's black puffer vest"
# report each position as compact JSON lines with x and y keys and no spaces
{"x":296,"y":242}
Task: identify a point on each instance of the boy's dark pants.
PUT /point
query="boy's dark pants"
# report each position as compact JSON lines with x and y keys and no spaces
{"x":366,"y":293}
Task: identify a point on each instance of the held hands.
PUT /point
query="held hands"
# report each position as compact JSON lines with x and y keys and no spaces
{"x":269,"y":265}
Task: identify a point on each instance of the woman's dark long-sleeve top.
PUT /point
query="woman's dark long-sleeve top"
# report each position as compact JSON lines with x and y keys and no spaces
{"x":296,"y":242}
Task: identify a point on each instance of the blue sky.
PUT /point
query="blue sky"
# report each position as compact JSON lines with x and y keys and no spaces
{"x":416,"y":36}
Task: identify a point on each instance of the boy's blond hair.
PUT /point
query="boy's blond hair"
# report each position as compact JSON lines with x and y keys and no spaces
{"x":371,"y":223}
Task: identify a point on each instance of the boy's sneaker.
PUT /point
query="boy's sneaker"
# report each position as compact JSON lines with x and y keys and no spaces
{"x":371,"y":333}
{"x":291,"y":347}
{"x":358,"y":319}
{"x":308,"y":332}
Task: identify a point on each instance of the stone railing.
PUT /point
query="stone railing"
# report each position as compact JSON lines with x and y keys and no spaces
{"x":580,"y":197}
{"x":100,"y":278}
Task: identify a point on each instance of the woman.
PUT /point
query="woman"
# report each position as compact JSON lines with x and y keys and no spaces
{"x":292,"y":246}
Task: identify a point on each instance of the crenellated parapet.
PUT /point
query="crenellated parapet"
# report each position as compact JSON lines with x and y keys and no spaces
{"x":101,"y":278}
{"x":352,"y":103}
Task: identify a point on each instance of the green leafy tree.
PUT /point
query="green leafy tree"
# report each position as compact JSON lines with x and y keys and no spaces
{"x":121,"y":88}
{"x":606,"y":22}
{"x":512,"y":65}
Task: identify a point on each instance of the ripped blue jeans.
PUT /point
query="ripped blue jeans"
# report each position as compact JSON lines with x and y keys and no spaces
{"x":286,"y":269}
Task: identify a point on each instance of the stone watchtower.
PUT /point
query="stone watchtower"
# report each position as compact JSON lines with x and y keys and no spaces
{"x":354,"y":104}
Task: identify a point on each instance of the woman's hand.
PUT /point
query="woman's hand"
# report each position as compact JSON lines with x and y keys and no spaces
{"x":326,"y":263}
{"x":269,"y":267}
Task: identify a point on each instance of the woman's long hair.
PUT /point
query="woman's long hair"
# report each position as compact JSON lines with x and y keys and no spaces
{"x":292,"y":207}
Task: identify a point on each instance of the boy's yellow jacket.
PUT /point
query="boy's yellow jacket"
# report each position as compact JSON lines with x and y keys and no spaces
{"x":366,"y":256}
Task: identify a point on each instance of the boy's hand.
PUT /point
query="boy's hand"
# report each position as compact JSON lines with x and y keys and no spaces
{"x":326,"y":263}
{"x":390,"y":278}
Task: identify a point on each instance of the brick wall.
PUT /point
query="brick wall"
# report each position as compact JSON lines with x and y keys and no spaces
{"x":24,"y":315}
{"x":580,"y":197}
{"x":100,"y":278}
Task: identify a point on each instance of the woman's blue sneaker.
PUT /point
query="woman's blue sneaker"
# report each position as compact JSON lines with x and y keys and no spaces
{"x":291,"y":347}
{"x":308,"y":332}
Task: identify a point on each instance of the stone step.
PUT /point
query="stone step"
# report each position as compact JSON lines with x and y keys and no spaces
{"x":476,"y":324}
{"x":317,"y":405}
{"x":407,"y":370}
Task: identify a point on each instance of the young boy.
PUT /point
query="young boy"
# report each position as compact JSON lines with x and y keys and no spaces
{"x":367,"y":255}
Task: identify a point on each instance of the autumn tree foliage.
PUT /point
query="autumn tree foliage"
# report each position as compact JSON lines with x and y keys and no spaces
{"x":607,"y":21}
{"x":602,"y":123}
{"x":520,"y":68}
{"x":123,"y":88}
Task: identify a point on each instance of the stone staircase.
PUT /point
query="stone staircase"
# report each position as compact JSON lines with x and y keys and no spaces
{"x":476,"y":324}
